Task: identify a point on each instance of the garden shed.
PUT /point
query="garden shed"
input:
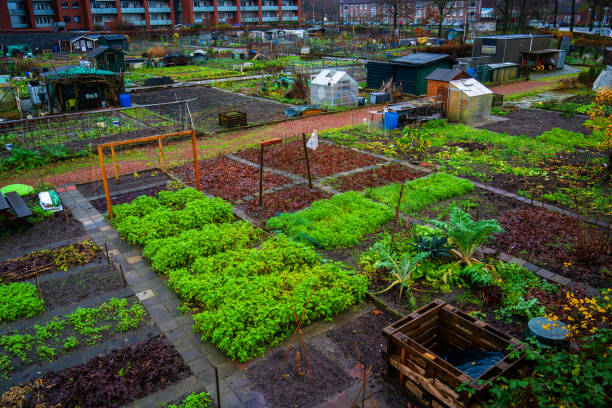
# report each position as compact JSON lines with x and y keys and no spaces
{"x":437,"y":83}
{"x":508,"y":48}
{"x":408,"y":71}
{"x":107,"y":58}
{"x":77,"y":88}
{"x":333,"y":88}
{"x":469,"y":101}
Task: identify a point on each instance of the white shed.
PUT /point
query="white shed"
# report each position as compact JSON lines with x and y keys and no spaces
{"x":333,"y":88}
{"x":469,"y":101}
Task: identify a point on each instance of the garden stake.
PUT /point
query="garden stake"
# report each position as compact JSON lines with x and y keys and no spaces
{"x":261,"y":177}
{"x":298,"y":331}
{"x":397,"y":210}
{"x":217,"y":384}
{"x":106,"y":251}
{"x":307,"y":162}
{"x":364,"y":382}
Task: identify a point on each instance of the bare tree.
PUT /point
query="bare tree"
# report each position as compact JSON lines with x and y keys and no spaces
{"x":445,"y":8}
{"x":572,"y":16}
{"x":396,"y":8}
{"x":505,"y":8}
{"x":556,"y":13}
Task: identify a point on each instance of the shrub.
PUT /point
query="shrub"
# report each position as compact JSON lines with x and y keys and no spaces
{"x":422,"y":192}
{"x":19,"y":300}
{"x":340,"y":221}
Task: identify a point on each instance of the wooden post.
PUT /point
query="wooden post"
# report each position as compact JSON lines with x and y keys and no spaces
{"x":105,"y":182}
{"x":397,"y":210}
{"x":161,"y":155}
{"x":196,"y":166}
{"x":261,"y":152}
{"x":307,"y":162}
{"x":115,"y":164}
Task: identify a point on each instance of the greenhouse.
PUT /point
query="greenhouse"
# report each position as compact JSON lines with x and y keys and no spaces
{"x":469,"y":101}
{"x":333,"y":89}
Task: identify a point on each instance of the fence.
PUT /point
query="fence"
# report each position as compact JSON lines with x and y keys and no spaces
{"x":79,"y":131}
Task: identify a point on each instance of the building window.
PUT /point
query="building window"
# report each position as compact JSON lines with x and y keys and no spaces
{"x":77,"y":19}
{"x":64,"y":4}
{"x":66,"y":19}
{"x":75,"y":4}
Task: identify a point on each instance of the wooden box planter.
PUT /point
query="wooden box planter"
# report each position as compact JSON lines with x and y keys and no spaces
{"x":498,"y":100}
{"x":232,"y":119}
{"x":414,"y":345}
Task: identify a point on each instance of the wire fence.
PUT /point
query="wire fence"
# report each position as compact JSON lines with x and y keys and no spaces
{"x":80,"y":131}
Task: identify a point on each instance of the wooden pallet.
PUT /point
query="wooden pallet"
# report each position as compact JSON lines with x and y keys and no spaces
{"x":411,"y":359}
{"x":232,"y":119}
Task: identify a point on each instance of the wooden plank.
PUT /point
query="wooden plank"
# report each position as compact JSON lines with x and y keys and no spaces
{"x":18,"y":205}
{"x":4,"y":205}
{"x":392,"y":328}
{"x":144,"y":139}
{"x":426,"y":384}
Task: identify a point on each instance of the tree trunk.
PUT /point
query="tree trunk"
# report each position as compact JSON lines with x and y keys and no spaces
{"x":441,"y":10}
{"x":572,"y":16}
{"x":556,"y":13}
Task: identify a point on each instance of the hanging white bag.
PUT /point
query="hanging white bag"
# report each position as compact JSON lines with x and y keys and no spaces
{"x":313,"y":142}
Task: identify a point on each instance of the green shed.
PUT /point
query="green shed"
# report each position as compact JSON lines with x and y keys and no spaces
{"x":107,"y":58}
{"x":408,"y":71}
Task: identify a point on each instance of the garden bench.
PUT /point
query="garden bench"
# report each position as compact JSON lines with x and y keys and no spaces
{"x":12,"y":207}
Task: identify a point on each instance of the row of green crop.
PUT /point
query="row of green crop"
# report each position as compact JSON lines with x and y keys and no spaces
{"x":241,"y":294}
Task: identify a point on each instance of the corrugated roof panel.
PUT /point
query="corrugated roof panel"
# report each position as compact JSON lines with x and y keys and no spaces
{"x":420,"y":58}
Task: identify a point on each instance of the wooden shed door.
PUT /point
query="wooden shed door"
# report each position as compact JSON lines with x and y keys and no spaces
{"x":443,"y":94}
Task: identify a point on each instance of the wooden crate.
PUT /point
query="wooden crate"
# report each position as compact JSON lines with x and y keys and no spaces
{"x":232,"y":119}
{"x":412,"y":360}
{"x":498,"y":100}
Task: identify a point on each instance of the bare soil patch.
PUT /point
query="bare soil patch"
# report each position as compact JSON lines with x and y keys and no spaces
{"x":325,"y":161}
{"x":126,"y":182}
{"x":394,"y":173}
{"x":227,"y":178}
{"x":532,"y":122}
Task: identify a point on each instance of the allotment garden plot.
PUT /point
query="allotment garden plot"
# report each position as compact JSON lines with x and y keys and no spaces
{"x":210,"y":102}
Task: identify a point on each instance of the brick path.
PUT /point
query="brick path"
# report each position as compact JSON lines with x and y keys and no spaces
{"x":520,"y":87}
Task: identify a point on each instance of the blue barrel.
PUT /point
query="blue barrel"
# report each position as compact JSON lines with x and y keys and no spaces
{"x":471,"y":72}
{"x":124,"y":100}
{"x":391,"y":120}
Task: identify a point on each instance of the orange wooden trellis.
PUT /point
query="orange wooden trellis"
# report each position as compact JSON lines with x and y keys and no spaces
{"x":161,"y":159}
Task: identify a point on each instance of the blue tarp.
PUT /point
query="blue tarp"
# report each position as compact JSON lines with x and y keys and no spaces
{"x":473,"y":362}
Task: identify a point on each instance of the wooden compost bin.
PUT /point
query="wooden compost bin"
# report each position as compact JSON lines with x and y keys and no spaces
{"x":232,"y":119}
{"x":414,"y":345}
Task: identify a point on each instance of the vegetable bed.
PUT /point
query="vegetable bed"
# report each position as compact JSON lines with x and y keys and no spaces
{"x":239,"y":293}
{"x":325,"y":161}
{"x":227,"y":178}
{"x":113,"y":380}
{"x":378,"y":176}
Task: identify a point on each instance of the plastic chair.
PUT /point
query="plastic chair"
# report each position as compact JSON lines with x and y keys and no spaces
{"x":71,"y":104}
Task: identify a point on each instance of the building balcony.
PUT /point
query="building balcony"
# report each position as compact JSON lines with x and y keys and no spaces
{"x":161,"y":22}
{"x":44,"y":12}
{"x":207,"y":9}
{"x":45,"y":25}
{"x":291,"y":18}
{"x":20,"y":25}
{"x":136,"y":22}
{"x":269,"y":8}
{"x":106,"y":10}
{"x":269,"y":19}
{"x":17,"y":12}
{"x":249,"y":8}
{"x":290,"y":8}
{"x":159,"y":9}
{"x":132,"y":10}
{"x":227,"y":8}
{"x":249,"y":19}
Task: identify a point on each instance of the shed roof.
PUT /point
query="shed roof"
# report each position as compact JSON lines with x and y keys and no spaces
{"x":76,"y":71}
{"x":102,"y":49}
{"x":444,"y":75}
{"x":331,"y":77}
{"x":513,"y":36}
{"x":544,"y":51}
{"x":420,"y":58}
{"x":470,"y":87}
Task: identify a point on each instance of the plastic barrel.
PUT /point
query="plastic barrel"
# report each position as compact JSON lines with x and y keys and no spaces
{"x":391,"y":120}
{"x":124,"y":100}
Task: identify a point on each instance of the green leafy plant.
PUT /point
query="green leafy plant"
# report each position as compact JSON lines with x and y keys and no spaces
{"x":194,"y":400}
{"x":465,"y":234}
{"x":433,"y":247}
{"x":19,"y":300}
{"x":340,"y":221}
{"x":402,"y":273}
{"x":422,"y":192}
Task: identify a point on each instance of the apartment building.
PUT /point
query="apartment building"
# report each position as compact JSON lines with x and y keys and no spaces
{"x":90,"y":14}
{"x":407,"y":12}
